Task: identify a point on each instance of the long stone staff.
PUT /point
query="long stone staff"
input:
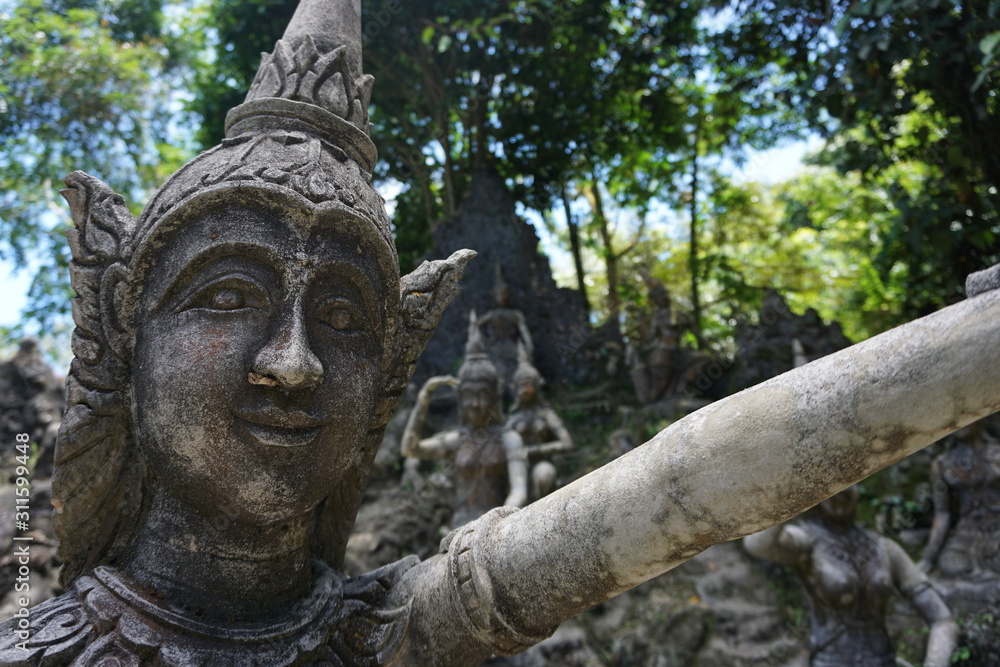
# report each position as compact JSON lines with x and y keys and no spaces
{"x":731,"y":469}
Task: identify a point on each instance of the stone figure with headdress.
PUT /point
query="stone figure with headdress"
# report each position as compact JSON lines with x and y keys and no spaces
{"x":490,"y":459}
{"x":540,"y":428}
{"x":504,"y":329}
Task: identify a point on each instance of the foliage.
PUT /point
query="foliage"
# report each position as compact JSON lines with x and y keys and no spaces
{"x":243,"y":29}
{"x":82,"y":84}
{"x":899,"y":83}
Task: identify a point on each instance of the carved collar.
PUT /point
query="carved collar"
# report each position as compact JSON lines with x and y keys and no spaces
{"x":106,"y":617}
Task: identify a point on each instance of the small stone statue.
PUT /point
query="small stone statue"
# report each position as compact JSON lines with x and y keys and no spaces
{"x":849,"y":574}
{"x":242,"y":344}
{"x":965,"y":537}
{"x":504,"y":329}
{"x":540,"y":428}
{"x":490,"y":459}
{"x":654,"y":357}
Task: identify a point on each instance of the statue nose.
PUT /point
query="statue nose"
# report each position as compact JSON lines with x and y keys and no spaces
{"x":286,"y":360}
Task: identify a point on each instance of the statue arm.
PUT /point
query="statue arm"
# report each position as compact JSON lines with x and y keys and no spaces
{"x":522,"y":327}
{"x":787,"y":544}
{"x":741,"y":465}
{"x":517,"y":469}
{"x":563,"y":441}
{"x":736,"y":467}
{"x":915,"y":586}
{"x":438,"y":446}
{"x":942,"y":519}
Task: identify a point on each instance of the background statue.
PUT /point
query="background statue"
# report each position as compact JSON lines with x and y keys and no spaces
{"x":490,"y":459}
{"x":653,"y":355}
{"x":504,"y":329}
{"x":31,"y":401}
{"x":240,"y":348}
{"x":964,"y":542}
{"x":849,"y":574}
{"x":540,"y":428}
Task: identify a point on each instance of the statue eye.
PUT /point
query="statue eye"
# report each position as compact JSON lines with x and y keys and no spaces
{"x":227,"y":299}
{"x":341,"y":315}
{"x":229,"y":294}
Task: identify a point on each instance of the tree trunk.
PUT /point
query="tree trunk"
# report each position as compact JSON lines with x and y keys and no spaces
{"x":574,"y":245}
{"x":693,"y":256}
{"x":610,"y":257}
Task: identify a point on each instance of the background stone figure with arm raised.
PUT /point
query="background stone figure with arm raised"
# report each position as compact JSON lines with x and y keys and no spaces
{"x":490,"y":459}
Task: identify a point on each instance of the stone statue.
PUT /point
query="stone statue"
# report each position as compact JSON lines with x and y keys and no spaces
{"x":964,"y":542}
{"x":540,"y":428}
{"x":490,"y":459}
{"x":654,"y":357}
{"x":240,"y":348}
{"x":849,"y":574}
{"x":31,"y":401}
{"x":504,"y":328}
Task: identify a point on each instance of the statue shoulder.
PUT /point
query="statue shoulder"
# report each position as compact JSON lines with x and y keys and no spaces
{"x":52,"y":633}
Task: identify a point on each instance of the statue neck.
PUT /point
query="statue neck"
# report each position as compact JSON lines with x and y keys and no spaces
{"x":217,"y":568}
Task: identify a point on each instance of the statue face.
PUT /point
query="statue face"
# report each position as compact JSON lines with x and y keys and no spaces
{"x":257,"y":361}
{"x":479,"y":403}
{"x":841,"y":506}
{"x":527,"y":390}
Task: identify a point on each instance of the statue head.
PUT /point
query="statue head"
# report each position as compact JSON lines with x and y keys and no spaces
{"x":840,"y":508}
{"x":527,"y":380}
{"x":479,"y":390}
{"x":243,"y":342}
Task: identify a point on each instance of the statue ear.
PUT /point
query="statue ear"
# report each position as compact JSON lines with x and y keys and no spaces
{"x":99,"y":244}
{"x":424,"y":294}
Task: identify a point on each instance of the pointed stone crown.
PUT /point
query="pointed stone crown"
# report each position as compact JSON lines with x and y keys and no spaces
{"x":313,"y":82}
{"x":301,"y":134}
{"x":477,"y":364}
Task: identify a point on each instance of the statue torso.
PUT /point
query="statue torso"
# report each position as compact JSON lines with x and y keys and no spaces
{"x":973,"y":477}
{"x":533,"y":425}
{"x":849,"y":585}
{"x":481,"y":481}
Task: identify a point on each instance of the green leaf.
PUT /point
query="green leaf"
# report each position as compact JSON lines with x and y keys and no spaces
{"x":988,"y":45}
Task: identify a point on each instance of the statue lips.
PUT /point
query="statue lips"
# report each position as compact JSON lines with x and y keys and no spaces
{"x":275,"y":427}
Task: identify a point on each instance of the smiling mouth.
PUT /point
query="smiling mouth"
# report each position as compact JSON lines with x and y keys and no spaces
{"x":277,"y":428}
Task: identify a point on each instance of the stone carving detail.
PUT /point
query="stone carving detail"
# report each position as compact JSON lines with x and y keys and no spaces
{"x":306,"y":75}
{"x":108,"y":617}
{"x":849,"y":574}
{"x":490,"y":458}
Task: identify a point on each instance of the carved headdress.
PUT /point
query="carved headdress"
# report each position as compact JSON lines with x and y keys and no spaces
{"x":526,"y":371}
{"x":298,"y":146}
{"x":477,"y":364}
